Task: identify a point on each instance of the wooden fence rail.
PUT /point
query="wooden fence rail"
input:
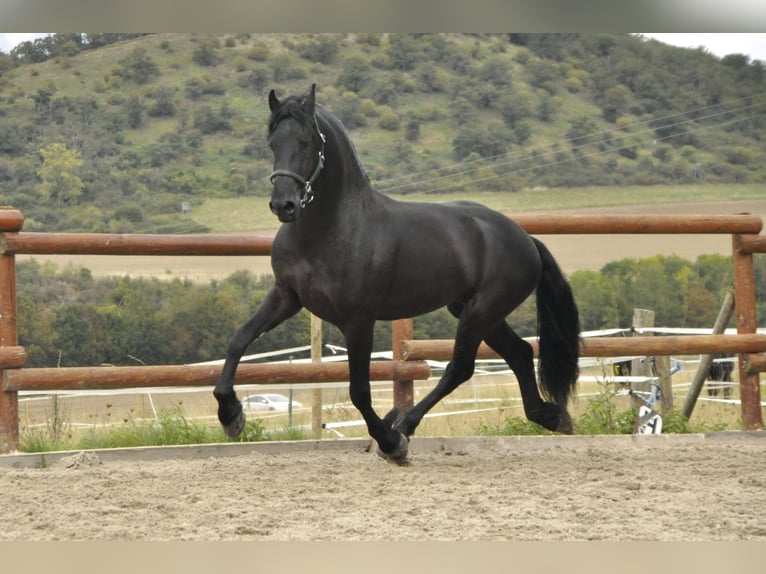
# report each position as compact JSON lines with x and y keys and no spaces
{"x":409,"y":354}
{"x":441,"y":349}
{"x":90,"y":378}
{"x":137,"y":244}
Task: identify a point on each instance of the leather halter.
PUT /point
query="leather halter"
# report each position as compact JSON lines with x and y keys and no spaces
{"x":307,"y":195}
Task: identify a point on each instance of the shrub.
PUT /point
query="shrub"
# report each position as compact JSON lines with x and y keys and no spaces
{"x":739,"y":155}
{"x":259,"y":52}
{"x":323,"y":50}
{"x":412,"y":133}
{"x":130,"y":213}
{"x":389,"y":121}
{"x":205,"y":54}
{"x":138,"y":67}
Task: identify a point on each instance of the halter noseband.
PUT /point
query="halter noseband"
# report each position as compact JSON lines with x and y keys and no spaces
{"x":307,"y":196}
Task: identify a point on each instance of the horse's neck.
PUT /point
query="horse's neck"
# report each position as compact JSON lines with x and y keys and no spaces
{"x":345,"y":178}
{"x":344,"y":194}
{"x":341,"y":152}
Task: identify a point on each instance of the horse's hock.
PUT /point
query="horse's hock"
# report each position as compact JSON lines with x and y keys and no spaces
{"x":409,"y":355}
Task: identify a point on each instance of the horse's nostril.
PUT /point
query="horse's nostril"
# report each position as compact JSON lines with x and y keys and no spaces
{"x":287,"y":208}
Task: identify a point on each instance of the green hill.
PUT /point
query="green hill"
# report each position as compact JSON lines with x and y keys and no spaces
{"x":113,"y":132}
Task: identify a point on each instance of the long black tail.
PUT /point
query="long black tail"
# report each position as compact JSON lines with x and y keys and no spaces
{"x":558,"y":325}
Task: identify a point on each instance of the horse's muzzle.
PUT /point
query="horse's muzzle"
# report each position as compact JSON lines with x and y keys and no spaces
{"x":285,"y":211}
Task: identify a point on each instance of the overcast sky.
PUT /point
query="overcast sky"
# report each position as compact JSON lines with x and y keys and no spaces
{"x":754,"y":45}
{"x":9,"y":41}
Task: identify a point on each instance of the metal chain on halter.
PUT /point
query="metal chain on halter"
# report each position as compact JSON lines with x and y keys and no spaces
{"x":308,"y":196}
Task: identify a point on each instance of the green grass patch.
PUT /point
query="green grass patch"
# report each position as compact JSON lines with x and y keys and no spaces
{"x":602,"y":416}
{"x":240,"y":214}
{"x":171,"y":427}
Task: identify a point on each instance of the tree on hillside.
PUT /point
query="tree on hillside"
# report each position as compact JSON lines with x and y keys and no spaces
{"x":206,"y":53}
{"x":134,"y":110}
{"x":60,"y":184}
{"x":138,"y":66}
{"x":355,"y":75}
{"x":404,"y":50}
{"x":485,"y":141}
{"x":615,"y":102}
{"x":582,"y":131}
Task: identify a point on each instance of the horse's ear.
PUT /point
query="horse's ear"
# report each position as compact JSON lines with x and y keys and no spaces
{"x":310,"y":99}
{"x":274,"y":103}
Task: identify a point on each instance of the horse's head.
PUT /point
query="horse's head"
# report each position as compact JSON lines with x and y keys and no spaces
{"x":298,"y":148}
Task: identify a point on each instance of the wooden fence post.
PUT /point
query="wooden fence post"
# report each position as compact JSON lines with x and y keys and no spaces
{"x":10,"y":220}
{"x":644,"y":318}
{"x":316,"y":357}
{"x":744,"y":302}
{"x":641,"y":367}
{"x":724,"y":316}
{"x":404,"y":392}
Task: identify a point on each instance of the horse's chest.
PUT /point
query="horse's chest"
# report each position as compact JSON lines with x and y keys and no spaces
{"x":321,"y":289}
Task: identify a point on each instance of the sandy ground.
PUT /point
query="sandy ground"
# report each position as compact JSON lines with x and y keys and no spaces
{"x":512,"y":489}
{"x":574,"y":252}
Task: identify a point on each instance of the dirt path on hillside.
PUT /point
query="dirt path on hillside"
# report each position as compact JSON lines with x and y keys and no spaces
{"x":573,"y":252}
{"x":534,"y":488}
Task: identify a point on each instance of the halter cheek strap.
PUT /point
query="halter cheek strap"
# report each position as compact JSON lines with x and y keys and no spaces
{"x":307,"y":195}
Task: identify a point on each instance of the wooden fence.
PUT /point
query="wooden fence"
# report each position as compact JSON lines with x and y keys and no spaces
{"x":409,"y":355}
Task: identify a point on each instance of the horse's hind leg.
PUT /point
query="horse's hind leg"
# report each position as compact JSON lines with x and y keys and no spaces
{"x":520,"y":358}
{"x":459,"y":370}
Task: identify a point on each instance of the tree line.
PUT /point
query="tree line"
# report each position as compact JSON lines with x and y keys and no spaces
{"x":71,"y":318}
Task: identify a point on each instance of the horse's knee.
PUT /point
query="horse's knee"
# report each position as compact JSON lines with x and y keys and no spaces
{"x":461,"y":371}
{"x":237,"y":344}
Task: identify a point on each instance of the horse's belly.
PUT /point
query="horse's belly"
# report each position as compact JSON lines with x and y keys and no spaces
{"x":410,"y":298}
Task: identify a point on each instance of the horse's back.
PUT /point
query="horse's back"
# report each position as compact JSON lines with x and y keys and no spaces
{"x":502,"y":231}
{"x":504,"y":239}
{"x":458,"y":248}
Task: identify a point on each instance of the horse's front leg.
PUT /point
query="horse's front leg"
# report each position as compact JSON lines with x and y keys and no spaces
{"x":392,"y":445}
{"x":277,"y":306}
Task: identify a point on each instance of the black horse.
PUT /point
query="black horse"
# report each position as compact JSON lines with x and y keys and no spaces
{"x":352,"y":256}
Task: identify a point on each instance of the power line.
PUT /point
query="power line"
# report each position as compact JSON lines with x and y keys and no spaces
{"x":569,"y":160}
{"x":649,"y":121}
{"x":526,"y":155}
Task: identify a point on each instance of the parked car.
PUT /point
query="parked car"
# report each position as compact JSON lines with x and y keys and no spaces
{"x":271,"y":402}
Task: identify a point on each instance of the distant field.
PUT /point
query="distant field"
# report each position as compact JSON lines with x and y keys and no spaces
{"x":243,"y":214}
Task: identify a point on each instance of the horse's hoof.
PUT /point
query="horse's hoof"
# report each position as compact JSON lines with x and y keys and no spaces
{"x":234,"y":428}
{"x":397,"y":456}
{"x":565,"y":425}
